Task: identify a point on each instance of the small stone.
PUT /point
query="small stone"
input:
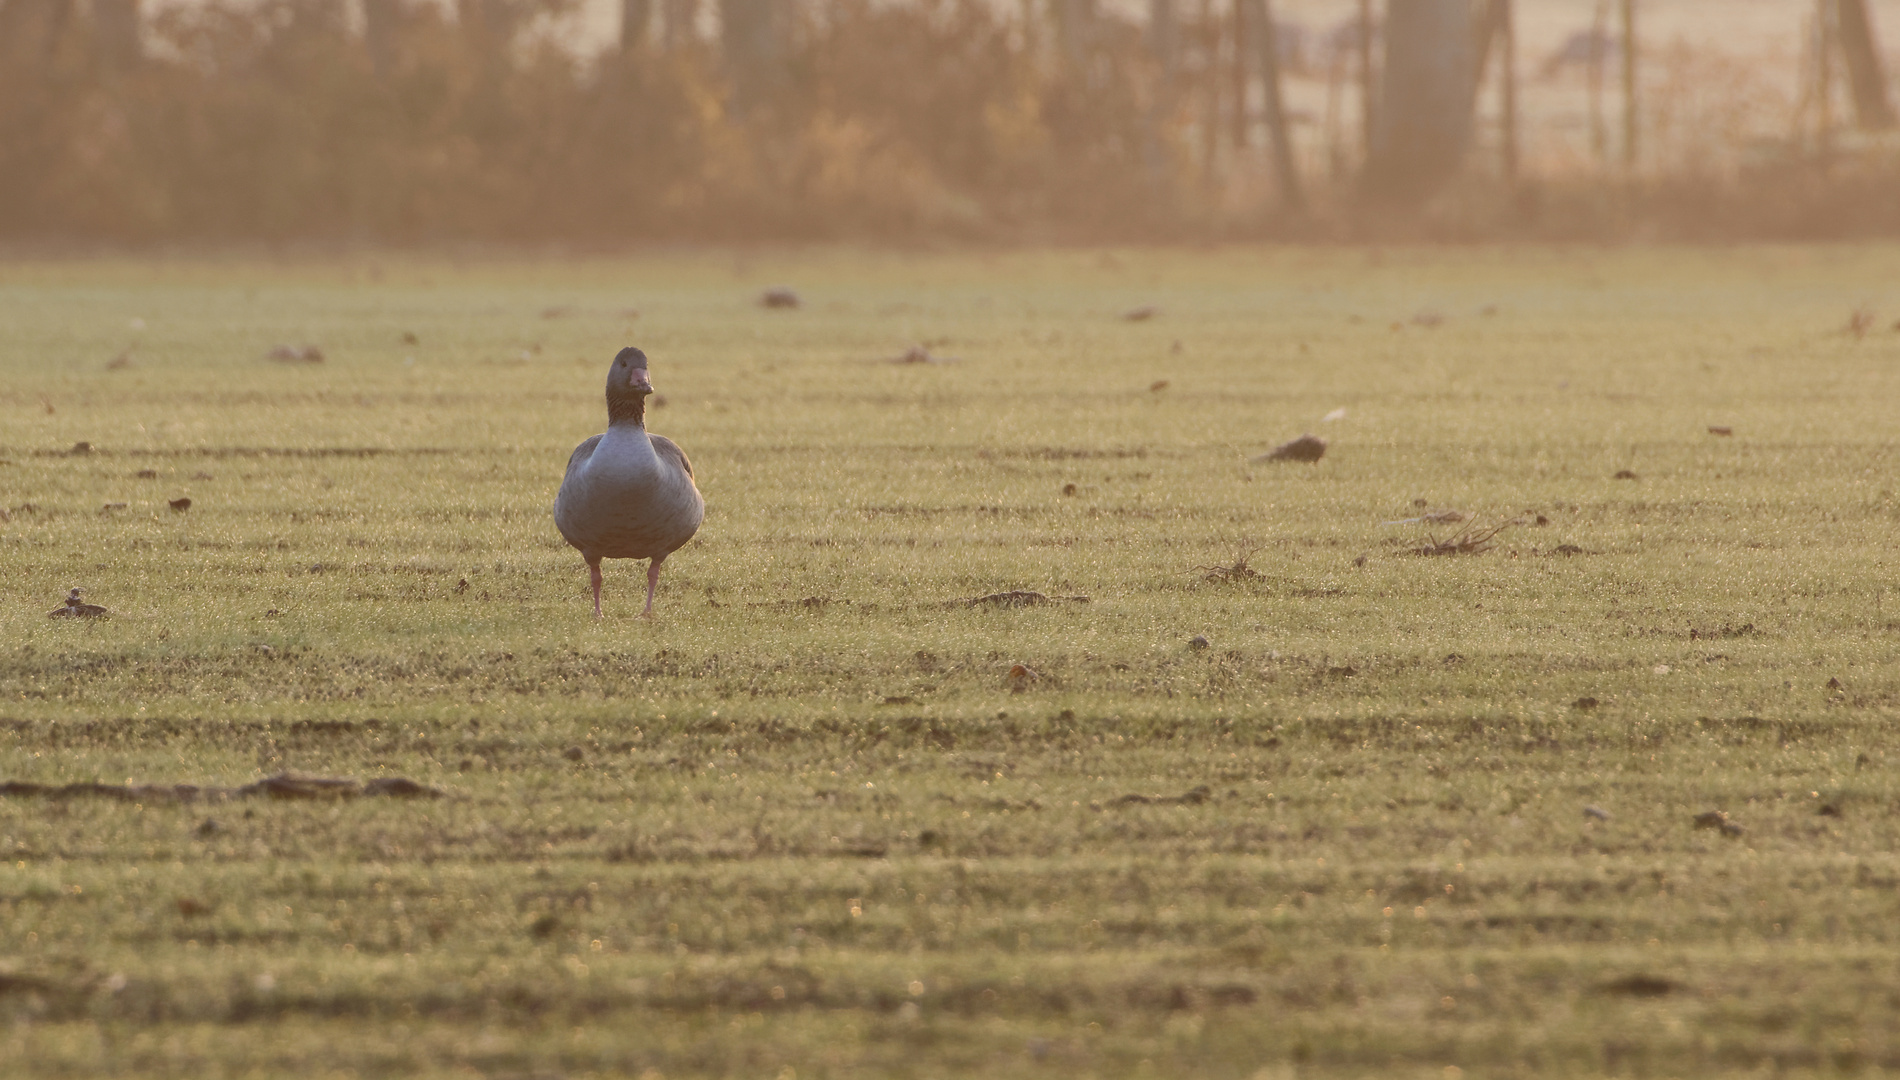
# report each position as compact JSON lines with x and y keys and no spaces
{"x":1596,"y":812}
{"x":574,"y":753}
{"x":1306,"y":448}
{"x":1198,"y":642}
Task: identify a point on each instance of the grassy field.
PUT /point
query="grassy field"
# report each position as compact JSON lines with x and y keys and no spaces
{"x":804,"y":823}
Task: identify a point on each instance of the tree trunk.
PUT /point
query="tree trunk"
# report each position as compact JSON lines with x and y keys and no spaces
{"x":1075,"y":30}
{"x":1872,"y":108}
{"x":680,"y":23}
{"x":1424,"y":119}
{"x":752,"y":33}
{"x":379,"y":34}
{"x":116,"y":26}
{"x":634,"y":16}
{"x":1285,"y":170}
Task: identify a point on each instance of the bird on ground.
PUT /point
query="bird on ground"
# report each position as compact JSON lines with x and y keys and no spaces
{"x":74,"y":608}
{"x":628,"y":494}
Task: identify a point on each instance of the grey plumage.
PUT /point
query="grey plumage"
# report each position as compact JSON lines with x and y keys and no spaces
{"x":628,"y":494}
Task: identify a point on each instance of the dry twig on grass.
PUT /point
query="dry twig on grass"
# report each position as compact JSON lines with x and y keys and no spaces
{"x":1237,"y":571}
{"x":1469,"y":540}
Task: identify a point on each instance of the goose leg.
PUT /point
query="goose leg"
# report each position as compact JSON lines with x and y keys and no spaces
{"x":593,"y":572}
{"x":653,"y":582}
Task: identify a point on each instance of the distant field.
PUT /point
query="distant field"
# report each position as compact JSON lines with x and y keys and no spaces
{"x":805,"y":824}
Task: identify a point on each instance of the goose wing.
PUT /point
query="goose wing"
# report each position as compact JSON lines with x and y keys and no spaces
{"x":670,"y":453}
{"x":581,"y":453}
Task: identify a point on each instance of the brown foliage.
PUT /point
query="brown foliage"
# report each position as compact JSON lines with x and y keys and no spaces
{"x":276,"y":121}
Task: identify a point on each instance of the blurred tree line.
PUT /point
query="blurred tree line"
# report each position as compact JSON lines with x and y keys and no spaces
{"x":418,"y":121}
{"x":425,"y":121}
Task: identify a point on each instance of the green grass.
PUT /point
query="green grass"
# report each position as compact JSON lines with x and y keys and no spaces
{"x":801,"y":823}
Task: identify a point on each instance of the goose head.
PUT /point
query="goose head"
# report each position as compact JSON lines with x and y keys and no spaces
{"x":628,"y":387}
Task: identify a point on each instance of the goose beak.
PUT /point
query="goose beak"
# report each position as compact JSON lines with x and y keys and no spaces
{"x":639,"y":383}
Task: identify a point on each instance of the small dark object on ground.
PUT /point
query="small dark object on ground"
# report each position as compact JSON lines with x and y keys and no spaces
{"x":80,"y":449}
{"x":1721,"y":429}
{"x":1585,"y":703}
{"x":1017,"y":598}
{"x":1641,"y":986}
{"x":779,"y":296}
{"x":280,"y":786}
{"x":1192,"y":797}
{"x":1717,"y":819}
{"x":293,"y":354}
{"x":1021,"y":676}
{"x":1596,"y":812}
{"x":1834,"y":684}
{"x":1068,"y":489}
{"x":111,"y":506}
{"x":900,"y":699}
{"x":461,"y":586}
{"x":1828,"y":809}
{"x":179,"y":506}
{"x":409,"y":338}
{"x":1568,"y":549}
{"x":1198,"y":642}
{"x":1308,"y":447}
{"x":1859,"y":322}
{"x":917,"y":354}
{"x":1625,"y":474}
{"x":74,"y":608}
{"x":192,"y":908}
{"x":208,"y":827}
{"x":574,"y":753}
{"x":1141,"y":314}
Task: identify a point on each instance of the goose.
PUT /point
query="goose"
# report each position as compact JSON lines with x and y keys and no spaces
{"x":628,"y":494}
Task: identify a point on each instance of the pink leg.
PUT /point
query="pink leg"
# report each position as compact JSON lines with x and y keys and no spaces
{"x":653,"y":582}
{"x":593,"y":572}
